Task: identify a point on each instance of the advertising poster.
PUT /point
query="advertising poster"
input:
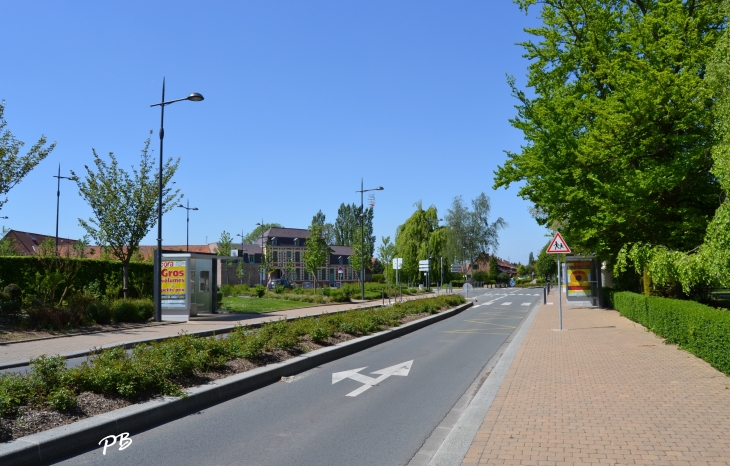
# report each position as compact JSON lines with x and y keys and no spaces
{"x":579,"y":285}
{"x":174,"y":283}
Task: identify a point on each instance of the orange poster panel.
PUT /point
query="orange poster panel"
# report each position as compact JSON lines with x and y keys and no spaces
{"x":174,"y":280}
{"x":579,"y":285}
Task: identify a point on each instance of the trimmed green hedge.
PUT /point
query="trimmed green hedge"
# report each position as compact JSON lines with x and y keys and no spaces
{"x":105,"y":276}
{"x":702,"y":330}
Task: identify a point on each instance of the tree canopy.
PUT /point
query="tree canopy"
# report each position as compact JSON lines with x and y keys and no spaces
{"x":13,"y":166}
{"x":619,"y":129}
{"x":124,"y":206}
{"x":347,"y":227}
{"x":418,"y":237}
{"x":709,"y":263}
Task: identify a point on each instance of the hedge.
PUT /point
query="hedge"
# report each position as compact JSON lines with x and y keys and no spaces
{"x":702,"y":330}
{"x":106,"y":276}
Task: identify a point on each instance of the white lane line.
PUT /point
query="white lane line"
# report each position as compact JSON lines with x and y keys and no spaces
{"x":506,"y":304}
{"x":526,"y":304}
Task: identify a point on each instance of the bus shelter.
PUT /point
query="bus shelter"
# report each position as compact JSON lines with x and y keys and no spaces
{"x":189,"y":284}
{"x":583,"y":280}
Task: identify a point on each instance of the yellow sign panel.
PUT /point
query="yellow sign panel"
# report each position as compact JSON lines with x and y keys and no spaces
{"x":579,"y":285}
{"x":174,"y":280}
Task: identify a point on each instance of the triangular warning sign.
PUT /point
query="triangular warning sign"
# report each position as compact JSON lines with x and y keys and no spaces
{"x":558,"y":245}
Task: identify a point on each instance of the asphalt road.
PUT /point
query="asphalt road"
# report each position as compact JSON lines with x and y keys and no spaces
{"x":309,"y":420}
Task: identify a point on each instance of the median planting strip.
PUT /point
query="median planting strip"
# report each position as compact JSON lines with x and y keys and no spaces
{"x":166,"y":368}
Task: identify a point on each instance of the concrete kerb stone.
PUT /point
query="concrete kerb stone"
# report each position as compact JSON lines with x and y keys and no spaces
{"x":66,"y":440}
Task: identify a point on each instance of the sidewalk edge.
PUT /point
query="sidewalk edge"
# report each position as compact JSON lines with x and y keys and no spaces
{"x":457,"y":443}
{"x":63,"y":441}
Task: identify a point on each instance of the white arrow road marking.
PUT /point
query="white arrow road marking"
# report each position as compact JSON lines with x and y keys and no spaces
{"x":401,"y":369}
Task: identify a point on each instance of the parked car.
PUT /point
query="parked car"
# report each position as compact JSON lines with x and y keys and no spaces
{"x":279,"y":281}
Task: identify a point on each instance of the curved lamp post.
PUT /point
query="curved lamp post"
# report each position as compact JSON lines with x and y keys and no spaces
{"x":362,"y":234}
{"x":187,"y":228}
{"x":194,"y":97}
{"x":58,"y":197}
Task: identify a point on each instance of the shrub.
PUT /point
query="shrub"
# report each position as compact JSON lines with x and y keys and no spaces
{"x":61,"y":399}
{"x":260,"y":290}
{"x":132,"y":310}
{"x":100,"y":312}
{"x":227,"y":290}
{"x":278,"y":289}
{"x":378,"y":278}
{"x":699,"y":329}
{"x":15,"y":294}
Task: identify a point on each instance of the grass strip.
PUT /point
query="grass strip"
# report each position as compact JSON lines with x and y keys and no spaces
{"x":256,"y":305}
{"x":157,"y":368}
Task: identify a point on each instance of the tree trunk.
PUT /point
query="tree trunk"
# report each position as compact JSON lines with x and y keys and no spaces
{"x":125,"y":279}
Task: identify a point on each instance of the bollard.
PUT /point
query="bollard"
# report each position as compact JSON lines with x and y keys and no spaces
{"x":383,"y":291}
{"x":544,"y":295}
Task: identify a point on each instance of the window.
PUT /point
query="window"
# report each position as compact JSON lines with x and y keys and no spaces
{"x":306,"y":275}
{"x":296,"y":274}
{"x":340,"y":259}
{"x":204,"y":280}
{"x":296,"y":241}
{"x":349,"y":273}
{"x":297,"y":256}
{"x":251,"y":258}
{"x":324,"y":274}
{"x":276,"y":256}
{"x":288,"y":256}
{"x":274,"y":241}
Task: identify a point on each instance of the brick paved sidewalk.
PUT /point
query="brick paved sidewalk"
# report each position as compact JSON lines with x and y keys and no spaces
{"x":604,"y":391}
{"x":22,"y":351}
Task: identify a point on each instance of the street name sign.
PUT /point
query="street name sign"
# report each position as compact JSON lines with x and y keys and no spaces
{"x":558,"y":245}
{"x":401,"y":369}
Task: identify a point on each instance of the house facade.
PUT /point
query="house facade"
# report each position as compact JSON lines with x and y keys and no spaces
{"x":284,"y":248}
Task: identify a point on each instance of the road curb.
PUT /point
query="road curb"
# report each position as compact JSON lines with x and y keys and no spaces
{"x":63,"y":441}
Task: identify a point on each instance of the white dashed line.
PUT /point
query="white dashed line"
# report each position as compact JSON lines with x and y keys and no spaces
{"x":506,"y":304}
{"x":526,"y":304}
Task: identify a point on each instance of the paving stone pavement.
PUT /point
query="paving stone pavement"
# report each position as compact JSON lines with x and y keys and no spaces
{"x":21,"y":351}
{"x":604,"y":391}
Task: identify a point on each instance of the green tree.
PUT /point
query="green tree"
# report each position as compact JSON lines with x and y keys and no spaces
{"x":493,"y":267}
{"x":546,"y":264}
{"x":223,"y":248}
{"x":328,"y":229}
{"x":418,"y":238}
{"x":124,"y":206}
{"x":698,"y":266}
{"x":315,"y":255}
{"x":470,"y":232}
{"x":386,"y":253}
{"x":13,"y":166}
{"x":7,"y":245}
{"x":347,"y":227}
{"x":357,"y":256}
{"x":619,"y":129}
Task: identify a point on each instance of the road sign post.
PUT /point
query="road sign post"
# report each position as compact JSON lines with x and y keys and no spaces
{"x":559,"y":246}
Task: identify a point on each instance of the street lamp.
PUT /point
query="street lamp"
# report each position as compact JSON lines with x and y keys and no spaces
{"x":194,"y":97}
{"x":58,"y":197}
{"x":362,"y":233}
{"x":187,"y":230}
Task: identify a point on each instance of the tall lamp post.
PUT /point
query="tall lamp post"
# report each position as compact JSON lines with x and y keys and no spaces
{"x":261,"y":273}
{"x":58,"y":198}
{"x":187,"y":228}
{"x":194,"y":97}
{"x":362,"y":233}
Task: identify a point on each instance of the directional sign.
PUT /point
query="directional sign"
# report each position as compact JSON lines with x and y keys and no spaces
{"x":401,"y":369}
{"x":423,"y":265}
{"x":455,"y":268}
{"x":397,"y":263}
{"x":558,"y":245}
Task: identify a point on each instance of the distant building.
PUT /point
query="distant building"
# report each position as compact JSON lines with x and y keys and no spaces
{"x":286,"y":247}
{"x":482,"y":264}
{"x":28,"y":244}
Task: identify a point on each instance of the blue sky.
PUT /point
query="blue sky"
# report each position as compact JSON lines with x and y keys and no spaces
{"x":302,"y":100}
